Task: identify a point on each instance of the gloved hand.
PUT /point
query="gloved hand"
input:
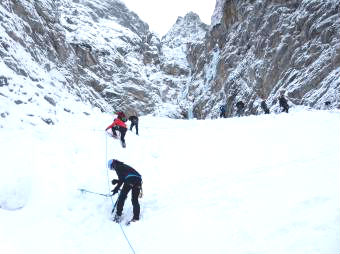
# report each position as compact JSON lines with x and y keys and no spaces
{"x":115,"y":191}
{"x":114,"y":181}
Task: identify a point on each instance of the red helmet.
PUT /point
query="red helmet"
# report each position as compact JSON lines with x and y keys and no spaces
{"x":121,"y":114}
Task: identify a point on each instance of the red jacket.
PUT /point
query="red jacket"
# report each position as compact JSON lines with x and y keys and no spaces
{"x":116,"y":122}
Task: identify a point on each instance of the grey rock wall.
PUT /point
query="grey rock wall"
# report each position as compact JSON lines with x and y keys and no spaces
{"x":262,"y":47}
{"x":108,"y":57}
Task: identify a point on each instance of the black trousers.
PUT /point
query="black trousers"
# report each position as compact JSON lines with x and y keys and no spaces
{"x":135,"y":184}
{"x":134,"y":124}
{"x":285,"y":108}
{"x":239,"y":112}
{"x":122,"y":131}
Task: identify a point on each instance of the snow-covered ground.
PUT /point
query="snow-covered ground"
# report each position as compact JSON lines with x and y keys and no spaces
{"x":258,"y":184}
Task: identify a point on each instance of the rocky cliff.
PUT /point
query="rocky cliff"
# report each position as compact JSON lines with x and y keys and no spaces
{"x":255,"y":49}
{"x":99,"y":52}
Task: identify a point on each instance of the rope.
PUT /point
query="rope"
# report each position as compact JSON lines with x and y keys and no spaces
{"x":113,"y":204}
{"x":97,"y":193}
{"x":127,"y":239}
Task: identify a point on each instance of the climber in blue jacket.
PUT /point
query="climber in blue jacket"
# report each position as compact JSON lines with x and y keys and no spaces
{"x":132,"y":180}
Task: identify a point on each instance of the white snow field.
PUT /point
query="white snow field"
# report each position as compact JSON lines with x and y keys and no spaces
{"x":256,"y":184}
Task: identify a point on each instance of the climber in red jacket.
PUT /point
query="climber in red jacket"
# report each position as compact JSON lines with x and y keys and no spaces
{"x":119,"y":125}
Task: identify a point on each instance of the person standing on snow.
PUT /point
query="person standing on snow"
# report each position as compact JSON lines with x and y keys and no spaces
{"x":119,"y":125}
{"x":132,"y":180}
{"x":265,"y":107}
{"x":134,"y":123}
{"x":239,"y":108}
{"x":223,"y":108}
{"x":283,"y":102}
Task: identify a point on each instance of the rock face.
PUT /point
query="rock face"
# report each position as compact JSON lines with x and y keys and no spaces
{"x":112,"y":47}
{"x":175,"y":65}
{"x":101,"y":53}
{"x":254,"y":49}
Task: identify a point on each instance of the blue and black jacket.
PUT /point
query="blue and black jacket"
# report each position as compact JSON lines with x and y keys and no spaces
{"x":124,"y":172}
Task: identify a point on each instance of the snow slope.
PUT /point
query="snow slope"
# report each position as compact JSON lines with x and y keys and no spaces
{"x":258,"y":184}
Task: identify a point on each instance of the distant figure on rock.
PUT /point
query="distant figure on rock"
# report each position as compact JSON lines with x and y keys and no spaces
{"x":239,"y":108}
{"x":264,"y":107}
{"x":134,"y":123}
{"x":119,"y":125}
{"x":283,"y":102}
{"x":132,"y":180}
{"x":223,"y":108}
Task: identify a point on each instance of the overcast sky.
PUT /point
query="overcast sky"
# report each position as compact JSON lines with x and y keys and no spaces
{"x":162,"y":14}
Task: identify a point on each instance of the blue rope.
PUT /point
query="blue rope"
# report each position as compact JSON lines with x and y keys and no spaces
{"x":127,"y":238}
{"x":113,"y":204}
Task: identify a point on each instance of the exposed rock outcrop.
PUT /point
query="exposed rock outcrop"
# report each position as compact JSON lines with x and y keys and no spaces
{"x":105,"y":55}
{"x":256,"y":48}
